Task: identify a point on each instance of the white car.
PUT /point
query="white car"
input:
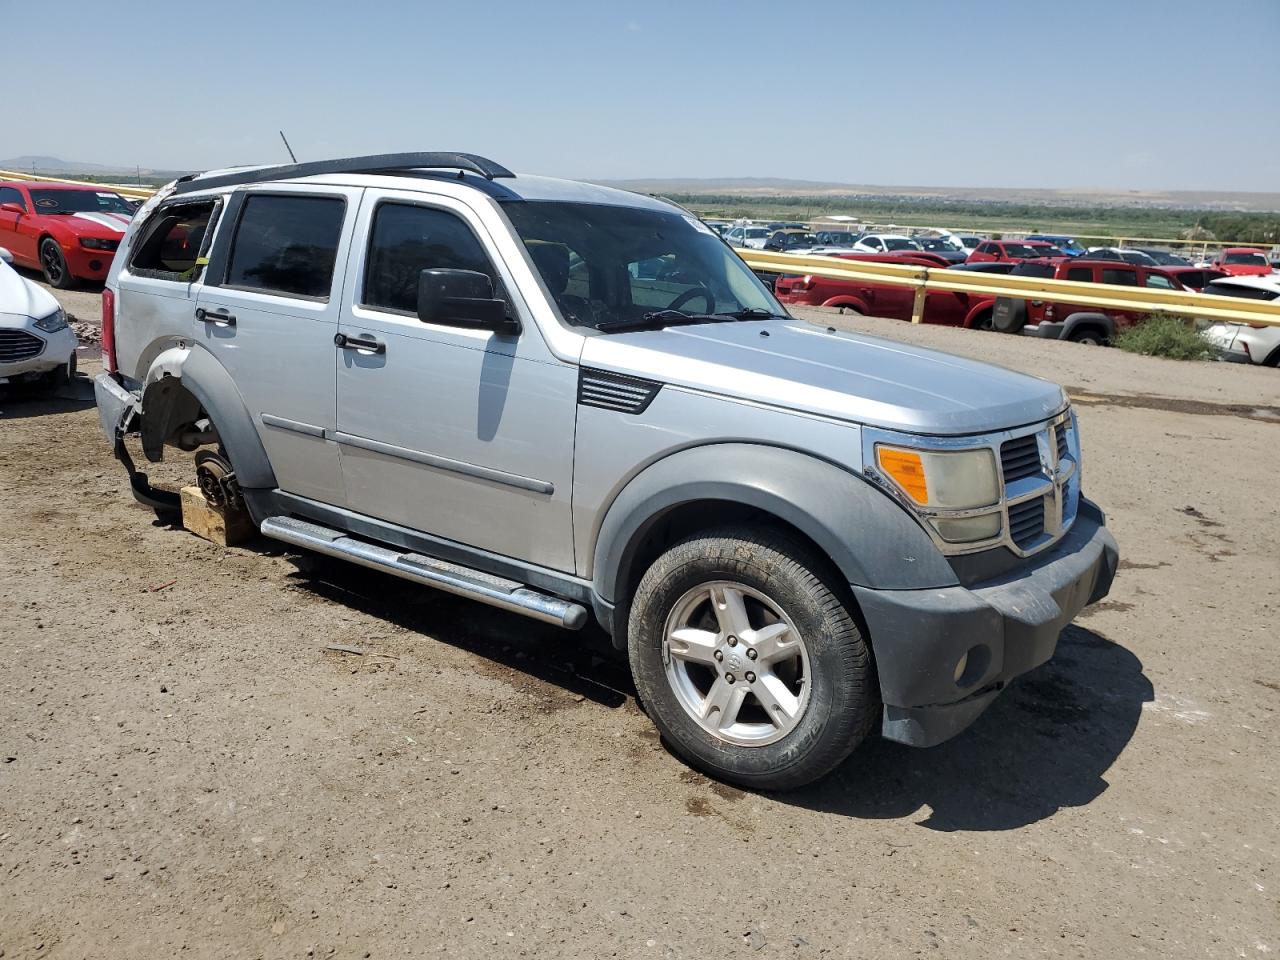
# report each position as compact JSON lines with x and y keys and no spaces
{"x":884,"y":243}
{"x":1239,"y":342}
{"x":753,"y":238}
{"x":35,"y":342}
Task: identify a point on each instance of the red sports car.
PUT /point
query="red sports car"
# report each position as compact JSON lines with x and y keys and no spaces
{"x":69,"y":232}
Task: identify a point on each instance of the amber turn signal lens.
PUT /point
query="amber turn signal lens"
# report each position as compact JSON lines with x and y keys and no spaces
{"x":907,"y":470}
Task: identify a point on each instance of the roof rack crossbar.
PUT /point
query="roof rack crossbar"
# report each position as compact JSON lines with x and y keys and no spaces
{"x":377,"y":163}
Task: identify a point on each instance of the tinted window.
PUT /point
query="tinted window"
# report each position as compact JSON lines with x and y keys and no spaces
{"x":80,"y":201}
{"x":1043,"y":270}
{"x":1246,"y":259}
{"x":1155,"y":280}
{"x":171,"y":241}
{"x":287,"y":245}
{"x":12,"y":195}
{"x":1125,"y":278}
{"x":406,"y":240}
{"x":1083,"y":274}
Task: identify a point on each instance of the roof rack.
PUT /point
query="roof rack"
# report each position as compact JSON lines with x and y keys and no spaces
{"x":377,"y":163}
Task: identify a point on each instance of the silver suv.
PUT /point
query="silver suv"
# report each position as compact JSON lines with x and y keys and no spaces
{"x":577,"y":403}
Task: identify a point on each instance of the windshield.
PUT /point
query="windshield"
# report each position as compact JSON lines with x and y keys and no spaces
{"x":1249,"y":259}
{"x":608,"y":265}
{"x":1024,"y":251}
{"x":900,"y":243}
{"x":755,"y":233}
{"x":800,"y":240}
{"x":79,"y":201}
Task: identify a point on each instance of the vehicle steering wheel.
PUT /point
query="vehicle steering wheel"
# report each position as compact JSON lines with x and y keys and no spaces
{"x":691,"y":293}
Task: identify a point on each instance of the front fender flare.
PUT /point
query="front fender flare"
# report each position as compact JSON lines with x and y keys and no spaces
{"x":870,"y":539}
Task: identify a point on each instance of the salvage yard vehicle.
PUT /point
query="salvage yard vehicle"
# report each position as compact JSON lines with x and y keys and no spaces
{"x":1246,"y":342}
{"x":1091,"y":325}
{"x":891,"y":301}
{"x":37,"y":346}
{"x":1012,"y":250}
{"x":435,"y":368}
{"x":69,"y":232}
{"x":1242,"y":262}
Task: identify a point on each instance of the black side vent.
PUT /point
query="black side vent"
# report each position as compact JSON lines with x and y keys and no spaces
{"x":613,"y":391}
{"x":1020,"y":458}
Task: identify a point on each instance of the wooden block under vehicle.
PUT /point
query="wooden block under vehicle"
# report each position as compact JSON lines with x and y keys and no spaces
{"x":221,"y":525}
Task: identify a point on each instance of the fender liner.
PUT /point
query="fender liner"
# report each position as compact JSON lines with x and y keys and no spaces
{"x":847,"y":301}
{"x":201,"y":376}
{"x":1088,"y":320}
{"x":870,"y":539}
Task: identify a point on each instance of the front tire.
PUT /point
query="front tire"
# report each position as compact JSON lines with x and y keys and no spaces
{"x":748,"y":661}
{"x":54,"y":265}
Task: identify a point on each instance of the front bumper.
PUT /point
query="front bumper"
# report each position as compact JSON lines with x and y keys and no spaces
{"x":86,"y":264}
{"x":57,"y":351}
{"x":117,"y":411}
{"x":1001,"y":628}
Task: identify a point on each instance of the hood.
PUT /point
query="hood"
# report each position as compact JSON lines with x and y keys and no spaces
{"x":114,"y":224}
{"x":847,"y":376}
{"x":20,"y":297}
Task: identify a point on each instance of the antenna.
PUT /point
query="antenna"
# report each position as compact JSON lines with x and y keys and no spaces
{"x":287,"y":147}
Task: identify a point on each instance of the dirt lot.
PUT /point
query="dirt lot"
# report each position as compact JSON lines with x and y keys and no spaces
{"x":185,"y":770}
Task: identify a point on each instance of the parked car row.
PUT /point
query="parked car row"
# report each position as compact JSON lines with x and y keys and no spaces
{"x":1084,"y":324}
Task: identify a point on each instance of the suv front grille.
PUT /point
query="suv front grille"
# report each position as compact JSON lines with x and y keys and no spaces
{"x":1019,"y":458}
{"x":18,"y":345}
{"x":1061,"y":431}
{"x":1026,"y":521}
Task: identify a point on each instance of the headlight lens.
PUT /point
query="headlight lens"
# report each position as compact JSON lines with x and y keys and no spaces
{"x":53,"y":322}
{"x":942,"y":480}
{"x":93,"y":243}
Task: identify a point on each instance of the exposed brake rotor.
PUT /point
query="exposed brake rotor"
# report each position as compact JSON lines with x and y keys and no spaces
{"x":217,"y":480}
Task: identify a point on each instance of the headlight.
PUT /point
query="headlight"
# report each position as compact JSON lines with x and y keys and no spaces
{"x":942,"y":482}
{"x":93,"y":243}
{"x":53,"y":322}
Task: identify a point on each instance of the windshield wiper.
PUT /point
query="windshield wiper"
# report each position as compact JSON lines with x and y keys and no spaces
{"x":657,"y":319}
{"x":753,"y":313}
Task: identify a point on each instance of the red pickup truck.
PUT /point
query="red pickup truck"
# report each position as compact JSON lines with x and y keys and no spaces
{"x":874,"y":299}
{"x":1080,"y":324}
{"x":1243,"y":262}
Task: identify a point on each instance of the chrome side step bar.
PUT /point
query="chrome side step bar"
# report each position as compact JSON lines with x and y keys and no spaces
{"x":450,"y":577}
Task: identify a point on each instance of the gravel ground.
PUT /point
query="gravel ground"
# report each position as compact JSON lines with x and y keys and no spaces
{"x":186,"y":770}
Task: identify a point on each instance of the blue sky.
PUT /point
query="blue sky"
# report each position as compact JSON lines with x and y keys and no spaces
{"x":1157,"y":95}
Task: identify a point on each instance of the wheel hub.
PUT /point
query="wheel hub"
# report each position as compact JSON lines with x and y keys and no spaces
{"x":736,"y":663}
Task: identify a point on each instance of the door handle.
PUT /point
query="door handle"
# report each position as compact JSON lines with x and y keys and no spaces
{"x":219,"y":317}
{"x":359,"y":343}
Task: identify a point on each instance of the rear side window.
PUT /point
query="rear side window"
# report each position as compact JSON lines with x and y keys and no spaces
{"x":1042,"y":270}
{"x":1083,"y":274}
{"x":1124,"y":278}
{"x":287,"y":245}
{"x":1156,"y":280}
{"x":173,"y":241}
{"x":404,"y":241}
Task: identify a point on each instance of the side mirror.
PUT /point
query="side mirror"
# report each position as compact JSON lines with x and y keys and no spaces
{"x":12,"y":208}
{"x":6,"y":256}
{"x":462,"y":298}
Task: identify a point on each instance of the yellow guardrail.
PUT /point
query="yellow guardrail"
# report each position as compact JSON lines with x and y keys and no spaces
{"x":925,"y":279}
{"x":138,"y":193}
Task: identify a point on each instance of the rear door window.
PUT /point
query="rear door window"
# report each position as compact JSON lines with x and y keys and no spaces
{"x":1124,"y":278}
{"x":286,"y":245}
{"x":1081,"y":274}
{"x":1161,"y":283}
{"x":172,"y":244}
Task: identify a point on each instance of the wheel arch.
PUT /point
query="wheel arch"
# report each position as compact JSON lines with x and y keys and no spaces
{"x":184,"y":381}
{"x":1088,"y":319}
{"x":845,"y":300}
{"x":866,"y":537}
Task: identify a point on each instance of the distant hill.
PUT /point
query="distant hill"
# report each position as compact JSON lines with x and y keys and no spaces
{"x":57,"y":167}
{"x":1068,"y":197}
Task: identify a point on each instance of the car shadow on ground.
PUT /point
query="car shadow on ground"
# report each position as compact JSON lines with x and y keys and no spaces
{"x":1044,"y":744}
{"x":583,"y":663}
{"x":18,"y":401}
